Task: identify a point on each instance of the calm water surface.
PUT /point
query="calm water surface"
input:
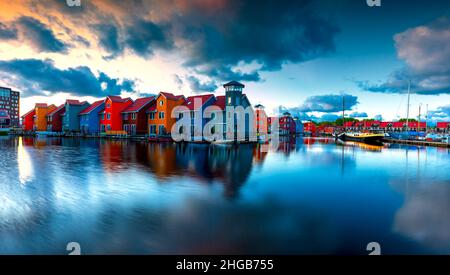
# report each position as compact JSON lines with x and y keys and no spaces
{"x":309,"y":196}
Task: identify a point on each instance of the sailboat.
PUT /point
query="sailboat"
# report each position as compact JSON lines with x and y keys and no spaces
{"x":406,"y":135}
{"x":369,"y":138}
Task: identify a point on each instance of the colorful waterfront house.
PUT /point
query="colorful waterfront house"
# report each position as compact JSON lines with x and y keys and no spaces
{"x":443,"y":127}
{"x":134,"y":117}
{"x":298,"y":125}
{"x":287,"y":124}
{"x":89,"y":118}
{"x":70,"y":121}
{"x":28,"y":120}
{"x":111,"y":116}
{"x":194,"y":108}
{"x":40,"y":116}
{"x":234,"y":98}
{"x":160,"y":120}
{"x":310,"y":129}
{"x":5,"y":119}
{"x":261,"y":121}
{"x":54,"y":119}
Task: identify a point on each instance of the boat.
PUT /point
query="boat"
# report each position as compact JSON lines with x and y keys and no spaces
{"x":368,"y":138}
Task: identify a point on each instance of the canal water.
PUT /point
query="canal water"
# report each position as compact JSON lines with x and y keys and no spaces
{"x":307,"y":196}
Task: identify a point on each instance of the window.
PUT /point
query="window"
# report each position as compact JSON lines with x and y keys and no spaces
{"x":152,"y":129}
{"x":180,"y":115}
{"x":161,"y":130}
{"x":103,"y":128}
{"x":125,"y":116}
{"x":103,"y":116}
{"x":229,"y":100}
{"x":161,"y":102}
{"x":151,"y":115}
{"x":108,"y":127}
{"x":108,"y":105}
{"x":161,"y":115}
{"x":108,"y":116}
{"x":133,"y":116}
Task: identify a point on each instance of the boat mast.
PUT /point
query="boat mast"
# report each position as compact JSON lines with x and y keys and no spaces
{"x":418,"y":124}
{"x":343,"y":112}
{"x":407,"y":107}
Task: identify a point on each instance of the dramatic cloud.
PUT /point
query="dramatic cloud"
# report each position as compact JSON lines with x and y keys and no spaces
{"x":40,"y":77}
{"x":358,"y":114}
{"x":108,"y":38}
{"x":7,"y":33}
{"x":426,"y":52}
{"x":378,"y":117}
{"x":143,"y":37}
{"x":198,"y":87}
{"x":40,"y":37}
{"x":329,"y":117}
{"x":328,"y":103}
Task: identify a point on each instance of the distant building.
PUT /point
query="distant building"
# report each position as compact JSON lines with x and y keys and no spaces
{"x":261,"y":121}
{"x":309,"y":129}
{"x":443,"y":127}
{"x":40,"y":116}
{"x":287,"y":125}
{"x":134,"y":117}
{"x":54,"y":119}
{"x":70,"y":120}
{"x":234,"y":98}
{"x":10,"y":102}
{"x":90,"y":118}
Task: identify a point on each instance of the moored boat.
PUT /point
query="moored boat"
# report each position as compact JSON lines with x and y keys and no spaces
{"x":362,"y":137}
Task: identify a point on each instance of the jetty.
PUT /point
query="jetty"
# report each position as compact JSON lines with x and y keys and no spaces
{"x":418,"y":142}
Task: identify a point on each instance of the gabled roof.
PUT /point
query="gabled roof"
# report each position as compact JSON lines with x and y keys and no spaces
{"x":41,"y":105}
{"x":234,"y":83}
{"x":56,"y":110}
{"x":92,"y":107}
{"x":220,"y":102}
{"x":31,"y":112}
{"x":151,"y":109}
{"x":139,"y":104}
{"x":190,"y":101}
{"x":171,"y":96}
{"x":115,"y":98}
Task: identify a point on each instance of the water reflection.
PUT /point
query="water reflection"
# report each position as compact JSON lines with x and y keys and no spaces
{"x":306,"y":196}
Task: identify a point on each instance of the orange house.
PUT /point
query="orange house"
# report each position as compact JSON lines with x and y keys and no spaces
{"x":160,"y":119}
{"x":40,"y":116}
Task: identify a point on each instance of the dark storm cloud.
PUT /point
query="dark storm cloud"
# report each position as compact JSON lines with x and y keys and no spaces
{"x":35,"y":77}
{"x":327,"y":103}
{"x":7,"y":33}
{"x":425,"y":51}
{"x":108,"y":36}
{"x":143,"y":37}
{"x":358,"y":115}
{"x":198,"y":87}
{"x":270,"y":33}
{"x":40,"y":36}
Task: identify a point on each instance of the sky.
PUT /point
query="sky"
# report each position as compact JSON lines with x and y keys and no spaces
{"x":301,"y":56}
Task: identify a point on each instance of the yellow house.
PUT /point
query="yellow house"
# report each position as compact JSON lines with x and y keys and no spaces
{"x":40,"y":118}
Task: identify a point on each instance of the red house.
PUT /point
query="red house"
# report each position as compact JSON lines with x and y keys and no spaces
{"x":111,"y":117}
{"x":310,"y":129}
{"x":443,"y":126}
{"x":134,"y":117}
{"x":54,"y":119}
{"x":28,"y":120}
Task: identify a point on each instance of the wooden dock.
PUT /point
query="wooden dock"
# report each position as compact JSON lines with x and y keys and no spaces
{"x":418,"y":142}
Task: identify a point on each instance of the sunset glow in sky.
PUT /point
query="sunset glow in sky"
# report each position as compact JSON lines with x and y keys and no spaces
{"x":300,"y":55}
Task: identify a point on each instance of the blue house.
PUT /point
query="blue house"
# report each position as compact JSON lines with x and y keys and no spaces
{"x":89,"y":118}
{"x":194,"y":109}
{"x":70,"y":121}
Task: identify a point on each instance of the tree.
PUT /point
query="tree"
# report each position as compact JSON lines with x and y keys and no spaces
{"x":410,"y":120}
{"x":338,"y":121}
